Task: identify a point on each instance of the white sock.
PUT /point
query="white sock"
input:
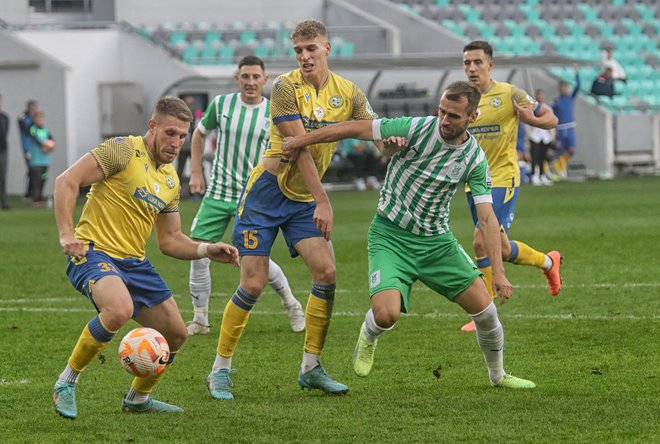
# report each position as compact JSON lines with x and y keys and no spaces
{"x":490,"y":337}
{"x":200,"y":289}
{"x":69,"y":375}
{"x":547,"y":264}
{"x":221,"y":362}
{"x":133,"y":397}
{"x":278,"y":282}
{"x":371,"y":330}
{"x":309,"y":362}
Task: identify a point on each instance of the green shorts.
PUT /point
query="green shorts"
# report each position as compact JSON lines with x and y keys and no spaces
{"x":398,"y":258}
{"x":212,"y":219}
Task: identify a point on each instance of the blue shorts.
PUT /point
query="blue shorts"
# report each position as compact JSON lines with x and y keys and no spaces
{"x":566,"y":140}
{"x":262,"y":210}
{"x":504,"y":203}
{"x":144,"y":283}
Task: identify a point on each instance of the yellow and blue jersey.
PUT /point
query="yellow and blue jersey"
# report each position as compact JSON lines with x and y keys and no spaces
{"x":120,"y":211}
{"x":496,"y":130}
{"x":292,"y":98}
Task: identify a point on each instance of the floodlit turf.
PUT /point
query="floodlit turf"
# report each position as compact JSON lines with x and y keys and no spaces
{"x":592,"y":350}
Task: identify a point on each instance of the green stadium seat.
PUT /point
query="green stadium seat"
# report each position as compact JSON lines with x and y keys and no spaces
{"x":347,"y":49}
{"x":226,"y":54}
{"x":247,"y":36}
{"x":190,"y":54}
{"x":212,"y":36}
{"x":177,"y":36}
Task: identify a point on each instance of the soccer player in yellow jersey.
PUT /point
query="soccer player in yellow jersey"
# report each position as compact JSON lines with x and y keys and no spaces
{"x":134,"y":187}
{"x":502,"y":105}
{"x":281,"y":194}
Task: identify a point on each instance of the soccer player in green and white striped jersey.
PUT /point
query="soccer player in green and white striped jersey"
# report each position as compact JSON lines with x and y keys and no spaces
{"x":242,"y":120}
{"x":409,"y":238}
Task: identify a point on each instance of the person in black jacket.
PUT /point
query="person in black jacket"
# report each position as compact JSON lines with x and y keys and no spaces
{"x":4,"y":133}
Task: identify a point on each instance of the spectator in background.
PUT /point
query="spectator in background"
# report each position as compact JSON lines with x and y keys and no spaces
{"x":184,"y":154}
{"x":608,"y":61}
{"x":4,"y":133}
{"x":41,"y":147}
{"x":540,"y":141}
{"x":604,"y":84}
{"x":524,"y":157}
{"x":368,"y":164}
{"x":25,"y":120}
{"x":564,"y":109}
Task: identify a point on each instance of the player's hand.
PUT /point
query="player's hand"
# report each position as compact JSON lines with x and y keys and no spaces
{"x":72,"y":246}
{"x":291,"y":149}
{"x":394,"y":144}
{"x":323,"y":219}
{"x":196,"y":182}
{"x":48,"y":146}
{"x":524,"y":112}
{"x":222,"y":252}
{"x":502,"y":287}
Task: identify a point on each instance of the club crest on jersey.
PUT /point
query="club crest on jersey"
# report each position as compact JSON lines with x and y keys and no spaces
{"x":319,"y":112}
{"x":456,"y":172}
{"x":336,"y":101}
{"x":496,"y":102}
{"x":375,"y":278}
{"x":170,"y":182}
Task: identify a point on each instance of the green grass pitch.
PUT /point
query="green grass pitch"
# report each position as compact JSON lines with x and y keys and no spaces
{"x":592,"y":350}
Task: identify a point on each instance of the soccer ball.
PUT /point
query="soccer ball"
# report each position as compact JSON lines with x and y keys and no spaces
{"x":144,"y":352}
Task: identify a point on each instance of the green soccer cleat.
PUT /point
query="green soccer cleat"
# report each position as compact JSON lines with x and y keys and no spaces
{"x":64,"y":399}
{"x":219,"y":384}
{"x":317,"y":378}
{"x":508,"y":381}
{"x":150,"y":406}
{"x":363,"y":355}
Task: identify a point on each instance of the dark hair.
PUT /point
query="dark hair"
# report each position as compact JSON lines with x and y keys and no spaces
{"x":310,"y":29}
{"x":251,"y":61}
{"x":173,"y":106}
{"x":563,"y":83}
{"x":479,"y":44}
{"x":461,"y":88}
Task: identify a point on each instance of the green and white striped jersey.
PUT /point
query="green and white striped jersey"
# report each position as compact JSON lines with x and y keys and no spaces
{"x":422,"y":178}
{"x":243,"y":134}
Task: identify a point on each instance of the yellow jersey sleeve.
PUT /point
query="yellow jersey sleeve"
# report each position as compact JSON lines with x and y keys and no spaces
{"x":113,"y":155}
{"x":283,"y":105}
{"x":361,"y":108}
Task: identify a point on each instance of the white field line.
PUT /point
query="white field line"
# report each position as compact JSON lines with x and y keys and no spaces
{"x":4,"y":382}
{"x":432,"y":315}
{"x":419,"y":289}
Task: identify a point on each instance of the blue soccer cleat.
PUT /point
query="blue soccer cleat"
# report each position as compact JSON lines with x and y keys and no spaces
{"x":317,"y":378}
{"x":219,"y":384}
{"x":64,"y":399}
{"x":150,"y":406}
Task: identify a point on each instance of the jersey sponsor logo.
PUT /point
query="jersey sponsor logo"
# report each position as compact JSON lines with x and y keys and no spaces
{"x":319,"y":112}
{"x":484,"y":129}
{"x":496,"y":102}
{"x":170,"y":182}
{"x":375,"y":278}
{"x":336,"y":101}
{"x":311,"y":125}
{"x":142,"y":194}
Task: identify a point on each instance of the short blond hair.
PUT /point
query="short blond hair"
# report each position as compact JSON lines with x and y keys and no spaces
{"x":309,"y":29}
{"x":172,"y":106}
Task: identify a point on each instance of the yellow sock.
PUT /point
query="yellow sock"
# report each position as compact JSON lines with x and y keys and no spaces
{"x":92,"y":340}
{"x":234,"y":320}
{"x":483,"y":263}
{"x":523,"y":254}
{"x":317,"y":316}
{"x":147,"y":384}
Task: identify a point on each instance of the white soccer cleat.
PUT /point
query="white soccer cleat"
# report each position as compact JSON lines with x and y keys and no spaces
{"x":296,"y":316}
{"x":195,"y":328}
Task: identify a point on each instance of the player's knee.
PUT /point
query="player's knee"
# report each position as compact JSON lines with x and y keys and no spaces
{"x":115,"y":318}
{"x":386,"y":317}
{"x":325,"y":274}
{"x":176,"y":338}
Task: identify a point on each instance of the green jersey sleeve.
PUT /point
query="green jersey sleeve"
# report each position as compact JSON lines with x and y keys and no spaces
{"x":479,"y":180}
{"x":210,"y":118}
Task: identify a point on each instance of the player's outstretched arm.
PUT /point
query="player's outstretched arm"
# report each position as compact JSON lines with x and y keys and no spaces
{"x":196,"y":182}
{"x":544,"y":118}
{"x":490,"y":231}
{"x":84,"y":172}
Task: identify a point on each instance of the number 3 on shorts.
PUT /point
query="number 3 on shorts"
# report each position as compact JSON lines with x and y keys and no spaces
{"x":250,"y":240}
